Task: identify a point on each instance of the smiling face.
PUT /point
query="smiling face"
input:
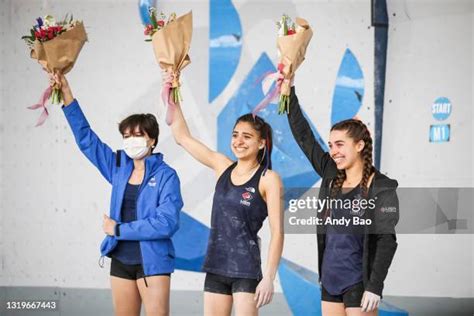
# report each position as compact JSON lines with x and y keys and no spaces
{"x":246,"y":141}
{"x":343,"y":150}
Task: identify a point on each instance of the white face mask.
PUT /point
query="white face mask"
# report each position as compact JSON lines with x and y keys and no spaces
{"x":135,"y":147}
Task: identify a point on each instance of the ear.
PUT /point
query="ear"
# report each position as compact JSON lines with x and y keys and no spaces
{"x":262,"y":144}
{"x":151,"y":143}
{"x":360,"y":146}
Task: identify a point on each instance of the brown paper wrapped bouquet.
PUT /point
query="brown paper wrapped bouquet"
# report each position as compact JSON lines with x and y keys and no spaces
{"x":56,"y":46}
{"x":171,"y":40}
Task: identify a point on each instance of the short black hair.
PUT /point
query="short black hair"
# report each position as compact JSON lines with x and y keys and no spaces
{"x":146,"y":123}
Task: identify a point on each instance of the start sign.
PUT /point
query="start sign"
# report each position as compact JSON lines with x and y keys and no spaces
{"x":441,"y":109}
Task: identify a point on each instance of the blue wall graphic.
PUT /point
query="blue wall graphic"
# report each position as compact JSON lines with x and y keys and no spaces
{"x":301,"y":288}
{"x":143,"y":7}
{"x":349,"y":89}
{"x":190,"y":242}
{"x":225,"y":45}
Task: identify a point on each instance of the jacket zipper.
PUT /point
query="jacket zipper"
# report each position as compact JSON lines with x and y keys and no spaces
{"x":136,"y":216}
{"x":101,"y":258}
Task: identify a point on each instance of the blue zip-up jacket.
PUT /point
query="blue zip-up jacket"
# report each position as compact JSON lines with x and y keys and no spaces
{"x":158,"y":204}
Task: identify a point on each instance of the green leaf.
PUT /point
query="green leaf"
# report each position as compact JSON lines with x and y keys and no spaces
{"x":153,"y":19}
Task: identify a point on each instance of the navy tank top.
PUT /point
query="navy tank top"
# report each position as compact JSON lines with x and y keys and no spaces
{"x":128,"y":251}
{"x":238,"y":212}
{"x":342,"y":259}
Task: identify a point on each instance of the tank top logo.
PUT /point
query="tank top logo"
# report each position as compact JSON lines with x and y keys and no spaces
{"x":246,"y":198}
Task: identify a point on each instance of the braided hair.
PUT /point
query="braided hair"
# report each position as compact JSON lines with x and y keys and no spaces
{"x":358,"y":131}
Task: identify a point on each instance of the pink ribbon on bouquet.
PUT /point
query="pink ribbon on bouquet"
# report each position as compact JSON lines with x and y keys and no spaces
{"x":41,"y":104}
{"x":167,"y":100}
{"x":273,"y":77}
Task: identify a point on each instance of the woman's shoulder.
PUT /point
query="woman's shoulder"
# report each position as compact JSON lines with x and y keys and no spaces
{"x":270,"y":177}
{"x":382,"y":183}
{"x":383,"y":179}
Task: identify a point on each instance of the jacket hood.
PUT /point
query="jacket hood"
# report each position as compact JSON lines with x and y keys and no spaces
{"x":382,"y":183}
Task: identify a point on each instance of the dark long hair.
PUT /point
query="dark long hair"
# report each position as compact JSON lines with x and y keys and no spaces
{"x":264,"y":129}
{"x":358,"y":131}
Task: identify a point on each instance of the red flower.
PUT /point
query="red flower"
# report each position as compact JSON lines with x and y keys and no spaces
{"x":291,"y":32}
{"x":161,"y":23}
{"x":148,"y":29}
{"x":41,"y":34}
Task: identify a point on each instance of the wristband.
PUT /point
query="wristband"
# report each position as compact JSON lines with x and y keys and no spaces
{"x":117,"y":230}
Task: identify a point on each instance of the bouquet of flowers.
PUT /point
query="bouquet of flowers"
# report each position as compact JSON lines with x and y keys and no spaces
{"x":56,"y":46}
{"x":171,"y":40}
{"x":157,"y":23}
{"x":293,"y":39}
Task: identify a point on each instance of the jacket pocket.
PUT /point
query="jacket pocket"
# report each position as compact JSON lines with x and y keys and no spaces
{"x":108,"y":244}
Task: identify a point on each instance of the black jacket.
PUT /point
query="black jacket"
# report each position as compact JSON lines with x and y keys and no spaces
{"x":380,"y":242}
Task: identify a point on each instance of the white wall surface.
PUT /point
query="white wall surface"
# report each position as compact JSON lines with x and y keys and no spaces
{"x":53,"y":198}
{"x":429,"y":56}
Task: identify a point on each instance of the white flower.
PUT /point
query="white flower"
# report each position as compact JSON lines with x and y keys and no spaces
{"x":49,"y":21}
{"x":281,"y":27}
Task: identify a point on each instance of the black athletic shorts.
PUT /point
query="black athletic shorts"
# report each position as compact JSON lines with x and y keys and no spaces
{"x":351,"y":298}
{"x":225,"y":285}
{"x":129,"y":271}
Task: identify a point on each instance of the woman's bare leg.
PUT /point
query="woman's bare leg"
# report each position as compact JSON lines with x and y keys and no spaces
{"x":333,"y":309}
{"x":125,"y":297}
{"x":245,"y":304}
{"x":155,"y":296}
{"x":217,"y":304}
{"x":357,"y":311}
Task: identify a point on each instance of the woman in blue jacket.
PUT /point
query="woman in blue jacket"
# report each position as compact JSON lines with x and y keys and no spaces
{"x":144,"y":209}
